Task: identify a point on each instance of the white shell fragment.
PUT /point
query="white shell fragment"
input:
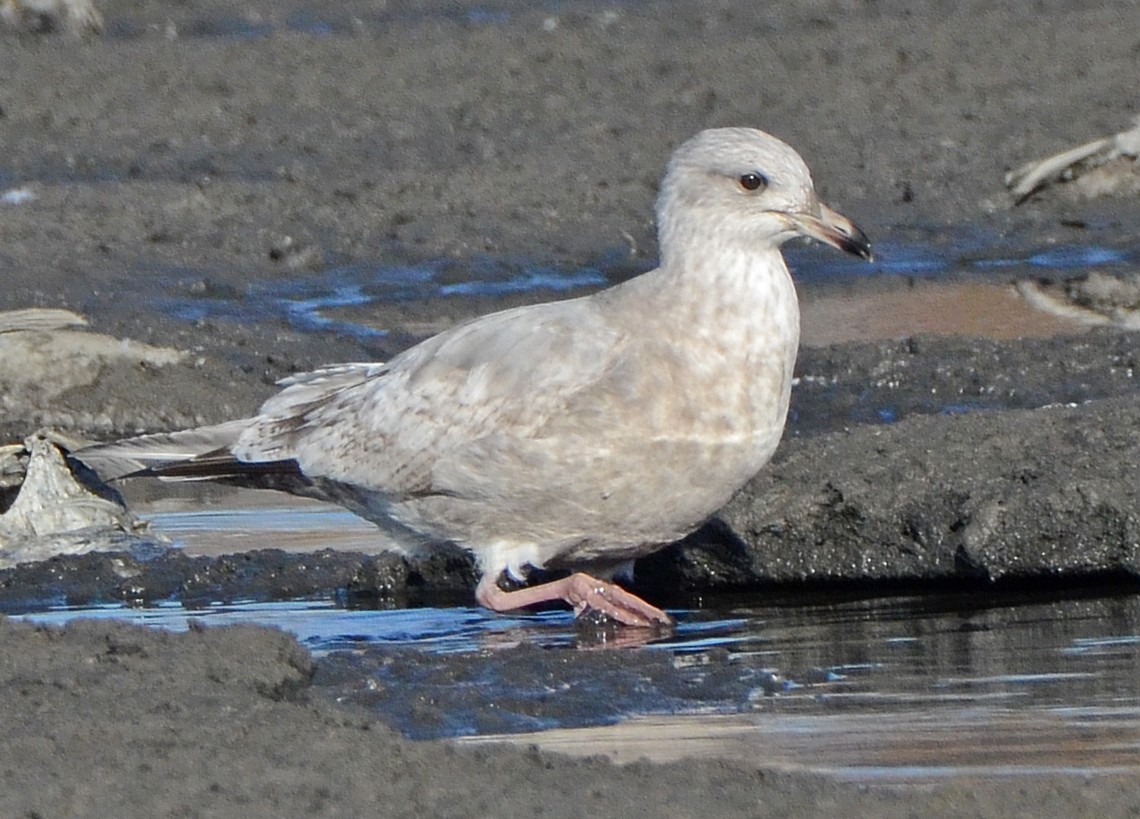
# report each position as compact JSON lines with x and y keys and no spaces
{"x":54,"y":512}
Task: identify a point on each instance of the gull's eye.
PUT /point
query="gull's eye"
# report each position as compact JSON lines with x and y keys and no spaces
{"x":753,"y":181}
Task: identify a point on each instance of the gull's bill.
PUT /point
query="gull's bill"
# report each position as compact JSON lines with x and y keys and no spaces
{"x":834,"y":229}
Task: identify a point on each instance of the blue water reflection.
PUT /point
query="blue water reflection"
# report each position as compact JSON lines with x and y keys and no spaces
{"x":305,"y":302}
{"x":881,"y":688}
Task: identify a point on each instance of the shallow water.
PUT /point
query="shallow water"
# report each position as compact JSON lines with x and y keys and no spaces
{"x":905,"y":687}
{"x":311,"y":303}
{"x":330,"y":21}
{"x":332,"y":300}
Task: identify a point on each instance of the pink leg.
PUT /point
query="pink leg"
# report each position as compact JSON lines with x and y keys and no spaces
{"x":579,"y":590}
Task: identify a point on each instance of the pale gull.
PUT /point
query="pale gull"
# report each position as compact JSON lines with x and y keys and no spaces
{"x":579,"y":434}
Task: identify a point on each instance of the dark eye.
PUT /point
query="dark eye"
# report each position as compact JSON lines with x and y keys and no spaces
{"x":753,"y":181}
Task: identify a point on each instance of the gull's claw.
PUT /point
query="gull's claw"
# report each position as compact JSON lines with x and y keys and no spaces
{"x":582,"y":592}
{"x":588,"y":593}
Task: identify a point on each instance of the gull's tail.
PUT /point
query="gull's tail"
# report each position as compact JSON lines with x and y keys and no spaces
{"x":205,"y":454}
{"x":192,"y":454}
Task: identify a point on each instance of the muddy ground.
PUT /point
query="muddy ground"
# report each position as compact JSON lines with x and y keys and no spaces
{"x":196,"y":150}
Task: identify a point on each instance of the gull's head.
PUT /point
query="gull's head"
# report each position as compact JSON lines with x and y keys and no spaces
{"x":747,"y":188}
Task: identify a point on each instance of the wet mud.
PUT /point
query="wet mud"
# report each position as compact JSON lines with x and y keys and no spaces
{"x":203,"y":154}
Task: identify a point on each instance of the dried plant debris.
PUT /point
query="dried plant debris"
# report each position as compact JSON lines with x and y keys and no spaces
{"x":39,"y":319}
{"x":75,"y":18}
{"x":54,"y":507}
{"x":1102,"y":167}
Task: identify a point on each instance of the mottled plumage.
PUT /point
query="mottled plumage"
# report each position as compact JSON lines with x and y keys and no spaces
{"x":578,"y":434}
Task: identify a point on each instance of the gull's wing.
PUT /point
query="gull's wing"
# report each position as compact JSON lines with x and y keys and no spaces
{"x":386,"y":427}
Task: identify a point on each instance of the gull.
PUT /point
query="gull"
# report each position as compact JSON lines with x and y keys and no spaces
{"x":573,"y":435}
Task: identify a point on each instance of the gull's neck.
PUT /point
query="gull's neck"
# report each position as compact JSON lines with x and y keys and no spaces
{"x":724,"y":279}
{"x":725,"y":322}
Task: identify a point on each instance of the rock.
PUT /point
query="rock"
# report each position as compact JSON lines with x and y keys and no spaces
{"x":1019,"y":495}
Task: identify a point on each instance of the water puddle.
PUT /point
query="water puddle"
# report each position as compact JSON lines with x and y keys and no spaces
{"x":898,"y":689}
{"x":977,"y":255}
{"x":331,"y":21}
{"x":994,"y":310}
{"x":907,"y":688}
{"x":338,"y":300}
{"x":265,"y":520}
{"x":965,"y":292}
{"x":910,"y":747}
